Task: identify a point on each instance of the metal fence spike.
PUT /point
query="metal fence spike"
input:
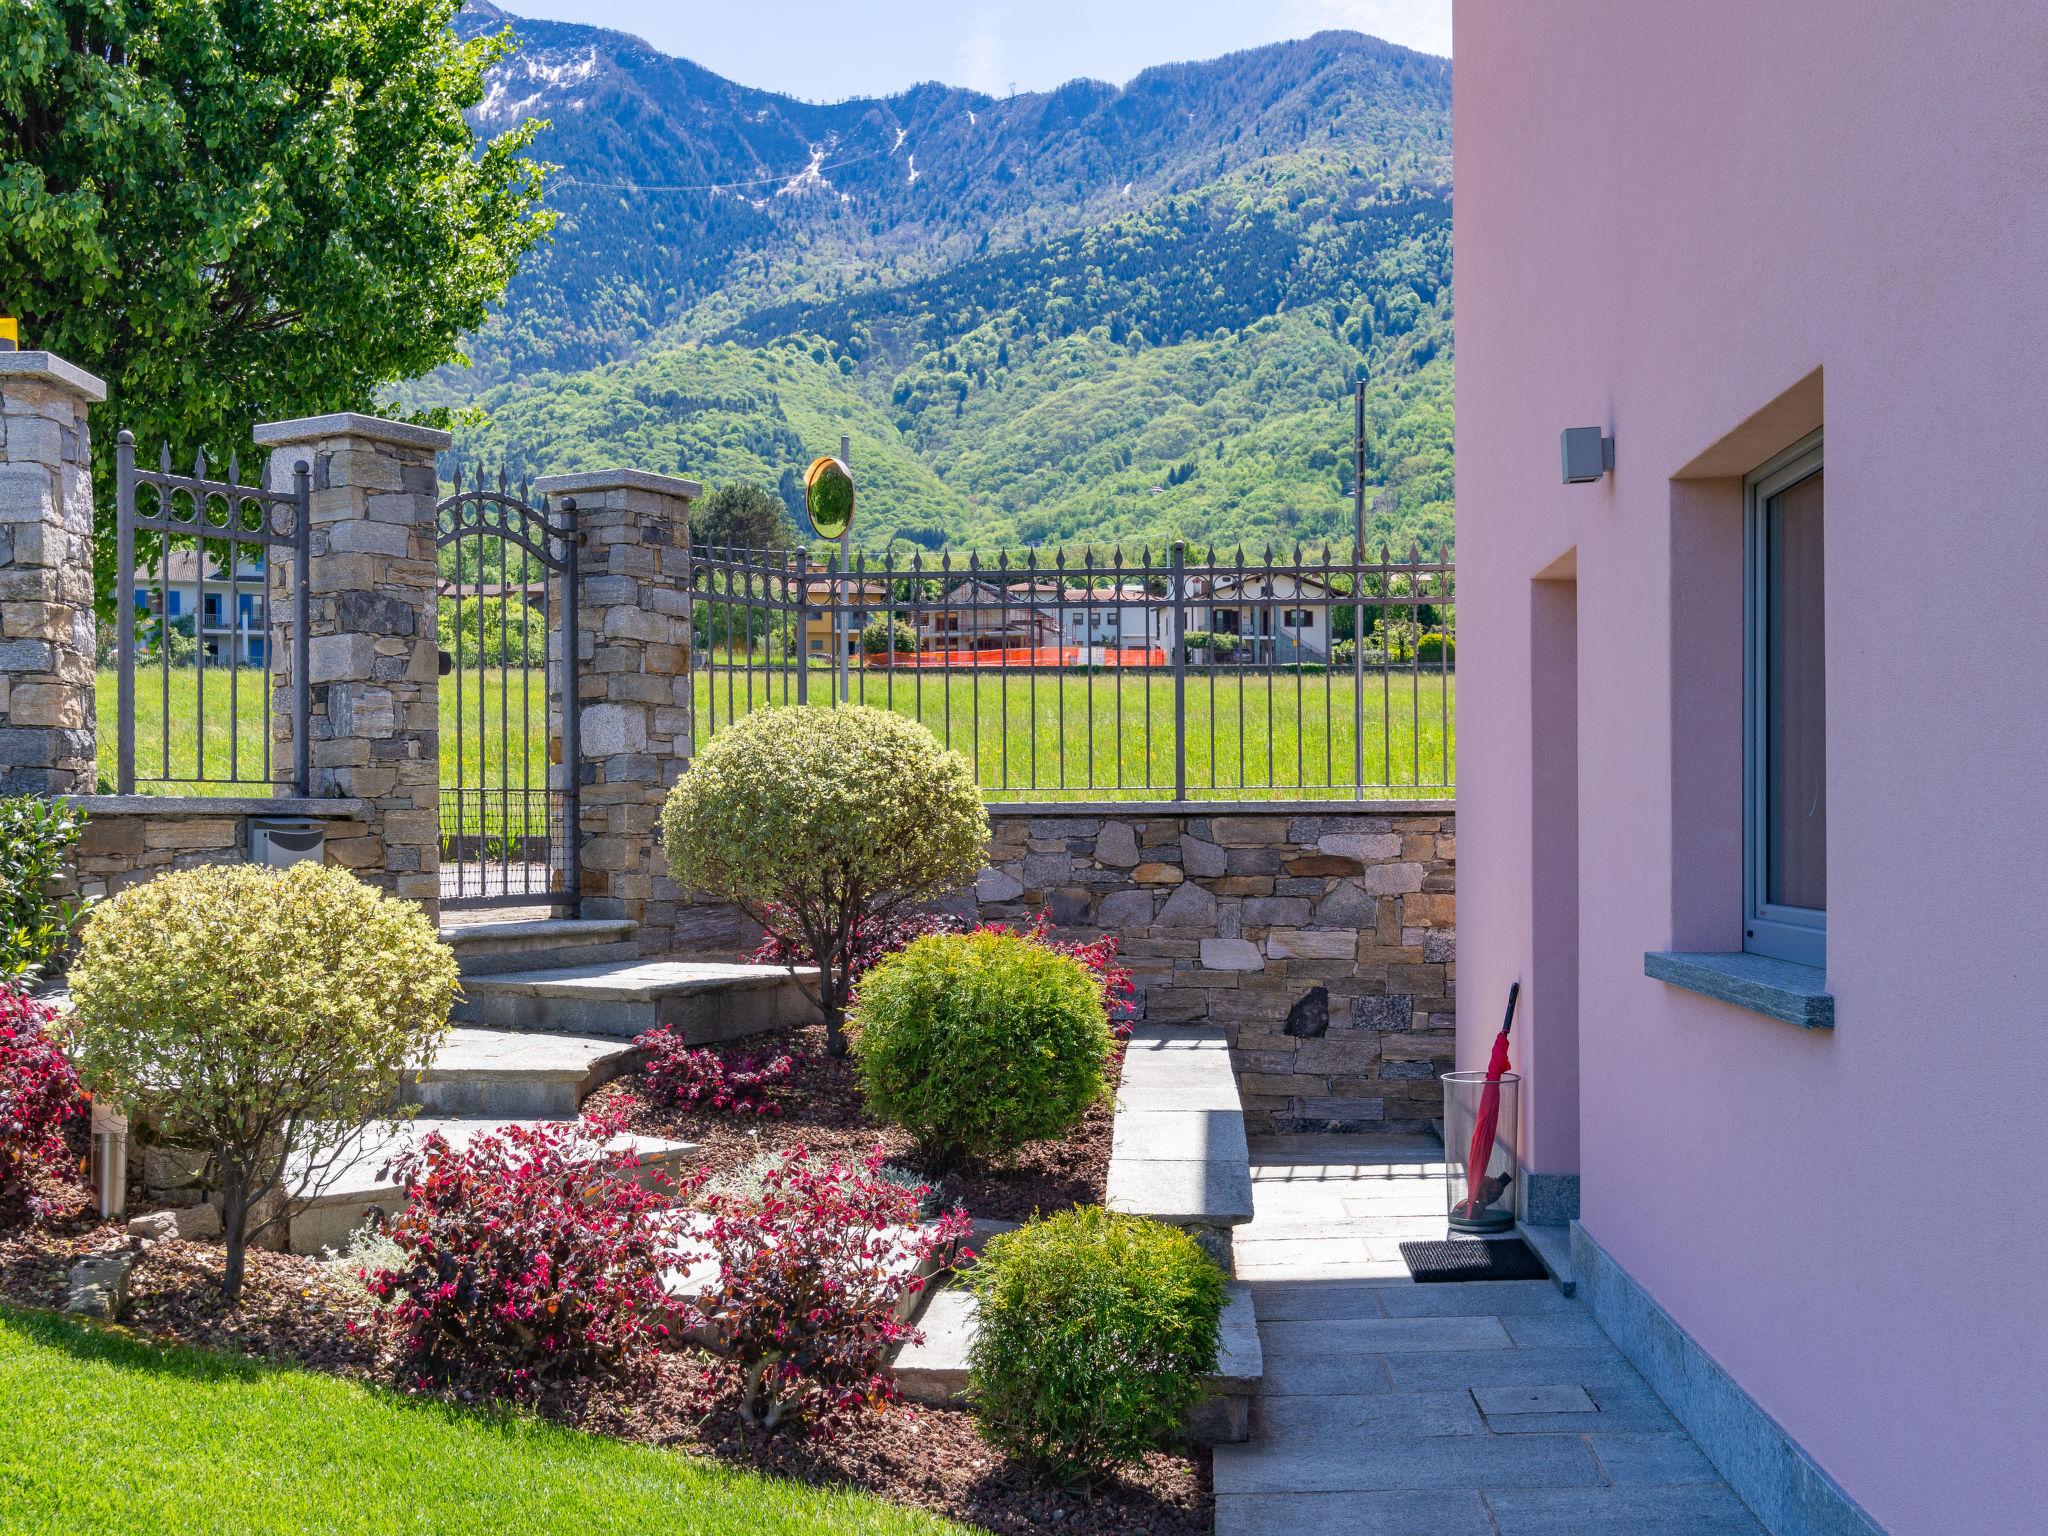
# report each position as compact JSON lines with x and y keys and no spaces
{"x":163,"y":458}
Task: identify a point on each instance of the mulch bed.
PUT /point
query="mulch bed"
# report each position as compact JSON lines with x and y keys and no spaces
{"x":821,"y":1111}
{"x":931,"y":1458}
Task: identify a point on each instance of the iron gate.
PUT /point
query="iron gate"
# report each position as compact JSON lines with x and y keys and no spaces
{"x":507,"y":618}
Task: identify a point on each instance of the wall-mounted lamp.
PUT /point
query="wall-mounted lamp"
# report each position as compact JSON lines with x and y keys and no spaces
{"x":1588,"y":454}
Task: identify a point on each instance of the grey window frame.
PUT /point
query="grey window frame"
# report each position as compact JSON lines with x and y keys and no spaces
{"x":1797,"y":934}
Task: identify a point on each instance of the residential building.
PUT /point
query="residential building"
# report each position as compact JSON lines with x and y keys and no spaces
{"x":978,"y":615}
{"x":1125,"y":618}
{"x":1277,"y":616}
{"x":1751,"y":779}
{"x":861,"y":599}
{"x":228,"y":611}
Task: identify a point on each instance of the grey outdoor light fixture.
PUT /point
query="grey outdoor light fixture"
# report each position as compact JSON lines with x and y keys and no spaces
{"x":1588,"y":454}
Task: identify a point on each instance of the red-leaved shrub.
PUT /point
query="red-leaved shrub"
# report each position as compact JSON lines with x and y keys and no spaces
{"x":39,"y":1093}
{"x":678,"y":1076}
{"x":532,"y":1258}
{"x":874,"y":939}
{"x":811,"y":1276}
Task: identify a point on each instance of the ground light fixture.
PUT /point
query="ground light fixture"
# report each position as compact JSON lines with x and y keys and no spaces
{"x":1588,"y":454}
{"x":109,"y":1159}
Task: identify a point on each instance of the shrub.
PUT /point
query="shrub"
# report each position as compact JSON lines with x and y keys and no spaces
{"x":1206,"y":645}
{"x":528,"y":1258}
{"x":679,"y":1077}
{"x":35,"y":834}
{"x":812,"y":1270}
{"x":977,"y":1043}
{"x":872,"y":941}
{"x":1435,"y":649}
{"x":1096,"y":1331}
{"x":263,"y":1014}
{"x":825,"y":818}
{"x":39,"y":1095}
{"x":890,"y":635}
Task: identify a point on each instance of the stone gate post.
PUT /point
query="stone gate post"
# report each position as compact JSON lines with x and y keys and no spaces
{"x":48,"y":735}
{"x":373,"y":663}
{"x":633,"y":659}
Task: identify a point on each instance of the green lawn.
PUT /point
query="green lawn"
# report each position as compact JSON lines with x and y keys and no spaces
{"x":102,"y":1434}
{"x":1249,"y":733}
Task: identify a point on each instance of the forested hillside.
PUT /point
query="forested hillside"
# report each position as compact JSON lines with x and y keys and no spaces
{"x":1090,"y":314}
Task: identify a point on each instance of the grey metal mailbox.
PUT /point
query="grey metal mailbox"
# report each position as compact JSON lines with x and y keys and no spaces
{"x":282,"y":840}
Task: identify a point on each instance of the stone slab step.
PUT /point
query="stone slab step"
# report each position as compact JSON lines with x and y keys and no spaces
{"x":365,"y":1180}
{"x":703,"y":1000}
{"x":516,"y":1074}
{"x":491,"y":948}
{"x":935,"y":1371}
{"x":1553,"y":1245}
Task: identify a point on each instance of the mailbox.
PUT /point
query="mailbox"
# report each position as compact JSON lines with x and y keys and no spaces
{"x":284,"y":840}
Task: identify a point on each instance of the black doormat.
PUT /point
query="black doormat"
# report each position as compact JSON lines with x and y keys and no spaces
{"x":1471,"y":1258}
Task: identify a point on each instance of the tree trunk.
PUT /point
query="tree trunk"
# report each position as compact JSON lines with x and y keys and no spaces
{"x":234,"y":1215}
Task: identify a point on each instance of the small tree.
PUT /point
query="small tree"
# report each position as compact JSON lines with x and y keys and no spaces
{"x":263,"y":1014}
{"x":888,"y":635}
{"x":815,"y":821}
{"x":740,"y":516}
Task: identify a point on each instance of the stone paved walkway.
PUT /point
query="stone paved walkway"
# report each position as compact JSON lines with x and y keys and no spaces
{"x":1395,"y":1409}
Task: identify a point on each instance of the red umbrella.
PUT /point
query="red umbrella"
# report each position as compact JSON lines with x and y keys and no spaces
{"x":1477,"y":1196}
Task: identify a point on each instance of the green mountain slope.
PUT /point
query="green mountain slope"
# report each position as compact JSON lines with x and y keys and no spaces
{"x":1094,"y":314}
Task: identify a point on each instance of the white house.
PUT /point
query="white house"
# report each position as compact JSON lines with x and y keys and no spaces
{"x":1277,"y":616}
{"x":230,"y":617}
{"x":1125,"y":616}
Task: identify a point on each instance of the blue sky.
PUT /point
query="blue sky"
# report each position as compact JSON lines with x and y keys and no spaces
{"x":837,"y":48}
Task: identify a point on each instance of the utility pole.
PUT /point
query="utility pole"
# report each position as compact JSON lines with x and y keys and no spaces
{"x":845,"y":630}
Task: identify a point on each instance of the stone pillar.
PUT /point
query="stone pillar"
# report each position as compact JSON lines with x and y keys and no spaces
{"x":372,"y":658}
{"x":48,"y":736}
{"x":633,"y":665}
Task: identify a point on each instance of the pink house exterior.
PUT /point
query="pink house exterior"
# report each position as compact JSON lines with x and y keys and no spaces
{"x":1713,"y":231}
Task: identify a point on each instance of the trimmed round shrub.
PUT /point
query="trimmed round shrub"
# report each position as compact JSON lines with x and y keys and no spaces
{"x":262,"y":1014}
{"x":1096,"y":1331}
{"x":978,"y":1042}
{"x":888,"y":635}
{"x":815,"y":821}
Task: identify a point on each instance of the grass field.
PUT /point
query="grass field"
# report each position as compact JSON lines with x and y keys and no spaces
{"x":1097,"y":735}
{"x":101,"y":1435}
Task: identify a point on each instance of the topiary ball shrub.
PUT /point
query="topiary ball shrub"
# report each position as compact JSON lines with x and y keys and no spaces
{"x":815,"y":821}
{"x":1096,"y":1331}
{"x":264,"y":1014}
{"x":976,"y":1043}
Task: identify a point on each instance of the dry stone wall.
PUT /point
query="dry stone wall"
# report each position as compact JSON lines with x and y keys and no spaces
{"x":132,"y":838}
{"x":1322,"y":940}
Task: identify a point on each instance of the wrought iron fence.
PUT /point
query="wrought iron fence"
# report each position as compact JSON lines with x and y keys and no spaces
{"x":201,"y":569}
{"x":1310,"y":676}
{"x":510,"y":712}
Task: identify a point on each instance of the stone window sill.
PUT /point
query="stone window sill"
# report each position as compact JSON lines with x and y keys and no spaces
{"x":1779,"y":989}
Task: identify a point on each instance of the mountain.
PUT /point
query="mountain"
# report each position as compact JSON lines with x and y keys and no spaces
{"x":1097,"y":312}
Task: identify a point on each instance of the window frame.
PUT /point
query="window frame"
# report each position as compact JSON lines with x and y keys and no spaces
{"x":1797,"y":934}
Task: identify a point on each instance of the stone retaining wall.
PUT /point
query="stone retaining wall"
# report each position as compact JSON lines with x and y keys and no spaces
{"x":132,"y":838}
{"x":1321,"y":938}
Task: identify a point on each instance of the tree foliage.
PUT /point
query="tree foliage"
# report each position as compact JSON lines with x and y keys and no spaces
{"x":237,"y":211}
{"x":742,"y":516}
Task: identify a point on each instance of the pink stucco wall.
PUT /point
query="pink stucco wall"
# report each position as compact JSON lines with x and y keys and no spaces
{"x":1708,"y":228}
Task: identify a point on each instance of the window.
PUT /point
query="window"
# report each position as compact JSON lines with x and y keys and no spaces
{"x":1298,"y":618}
{"x":1785,"y":869}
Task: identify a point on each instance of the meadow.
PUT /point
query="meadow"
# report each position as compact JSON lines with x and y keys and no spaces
{"x":1033,"y":735}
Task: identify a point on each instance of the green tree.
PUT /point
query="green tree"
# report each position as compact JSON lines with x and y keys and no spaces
{"x":233,"y":211}
{"x":740,"y":516}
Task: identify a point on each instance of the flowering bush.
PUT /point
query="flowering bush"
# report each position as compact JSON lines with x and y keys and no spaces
{"x":529,"y":1257}
{"x":38,"y":1093}
{"x":680,"y":1077}
{"x":811,"y":1273}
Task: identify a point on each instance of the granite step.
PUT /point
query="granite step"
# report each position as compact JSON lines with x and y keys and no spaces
{"x":493,"y":947}
{"x":517,"y":1074}
{"x":703,"y":1000}
{"x":365,"y":1181}
{"x":935,"y":1371}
